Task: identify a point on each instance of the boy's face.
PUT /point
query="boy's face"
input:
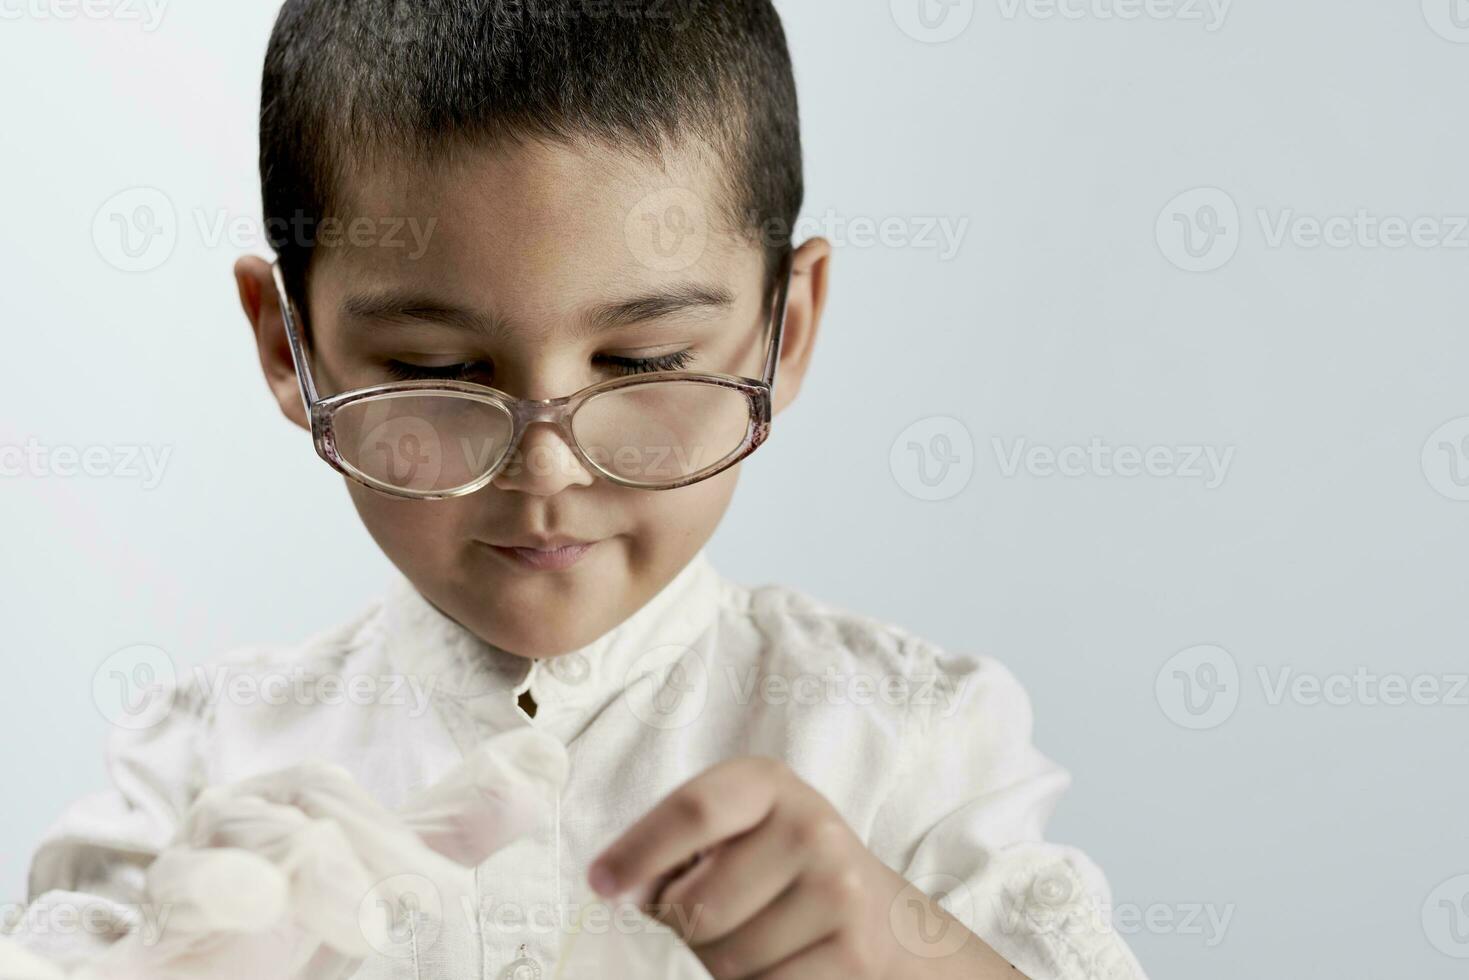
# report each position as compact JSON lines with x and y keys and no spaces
{"x":541,"y":269}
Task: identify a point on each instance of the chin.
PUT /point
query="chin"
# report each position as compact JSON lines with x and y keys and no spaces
{"x":535,"y":643}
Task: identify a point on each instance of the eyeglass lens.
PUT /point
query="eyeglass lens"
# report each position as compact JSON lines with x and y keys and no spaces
{"x":651,"y":434}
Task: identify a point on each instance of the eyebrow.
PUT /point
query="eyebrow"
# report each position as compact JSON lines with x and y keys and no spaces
{"x":409,"y":307}
{"x":687,"y":298}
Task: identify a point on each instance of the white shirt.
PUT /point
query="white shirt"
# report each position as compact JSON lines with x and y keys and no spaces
{"x":926,"y":753}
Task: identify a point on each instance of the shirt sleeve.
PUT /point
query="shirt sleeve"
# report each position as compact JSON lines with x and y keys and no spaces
{"x":87,"y":877}
{"x":965,"y":824}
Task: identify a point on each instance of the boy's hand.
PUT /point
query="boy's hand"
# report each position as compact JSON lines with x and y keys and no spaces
{"x":780,"y":887}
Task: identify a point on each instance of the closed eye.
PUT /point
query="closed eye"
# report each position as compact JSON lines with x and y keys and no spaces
{"x":403,"y":371}
{"x":473,"y":371}
{"x":676,"y":361}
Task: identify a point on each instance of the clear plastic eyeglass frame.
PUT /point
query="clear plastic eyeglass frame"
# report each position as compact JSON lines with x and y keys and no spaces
{"x":759,"y":395}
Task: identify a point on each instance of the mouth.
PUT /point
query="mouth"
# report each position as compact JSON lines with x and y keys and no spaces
{"x":544,"y":554}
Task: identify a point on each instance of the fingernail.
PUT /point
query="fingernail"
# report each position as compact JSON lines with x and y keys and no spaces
{"x":603,"y":881}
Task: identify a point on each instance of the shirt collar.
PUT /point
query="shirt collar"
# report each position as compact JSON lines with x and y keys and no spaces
{"x":421,"y":641}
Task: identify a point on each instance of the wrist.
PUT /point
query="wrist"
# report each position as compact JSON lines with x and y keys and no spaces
{"x":931,"y":943}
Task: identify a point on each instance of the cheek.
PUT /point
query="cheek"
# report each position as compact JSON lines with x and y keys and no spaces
{"x":676,"y":523}
{"x":707,"y":501}
{"x":411,"y":532}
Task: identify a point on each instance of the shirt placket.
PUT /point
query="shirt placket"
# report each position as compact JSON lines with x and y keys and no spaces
{"x":519,"y":926}
{"x":524,"y":944}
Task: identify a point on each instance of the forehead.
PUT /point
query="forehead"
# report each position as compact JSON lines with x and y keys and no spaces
{"x":537,"y":226}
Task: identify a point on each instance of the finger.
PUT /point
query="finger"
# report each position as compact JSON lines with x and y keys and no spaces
{"x":798,"y":919}
{"x":836,"y":957}
{"x":744,"y":875}
{"x":723,"y":802}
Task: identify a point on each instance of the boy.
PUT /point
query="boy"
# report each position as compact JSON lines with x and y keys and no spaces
{"x":534,"y":301}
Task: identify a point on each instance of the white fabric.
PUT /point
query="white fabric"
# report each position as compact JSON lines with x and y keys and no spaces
{"x":927,"y":753}
{"x":285,"y":874}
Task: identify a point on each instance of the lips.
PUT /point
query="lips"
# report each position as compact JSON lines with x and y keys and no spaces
{"x":543,"y":544}
{"x":552,"y":554}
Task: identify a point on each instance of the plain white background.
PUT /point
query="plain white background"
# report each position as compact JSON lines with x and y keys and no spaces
{"x":1181,"y":229}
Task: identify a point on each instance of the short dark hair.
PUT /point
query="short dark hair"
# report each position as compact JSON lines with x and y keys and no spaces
{"x":353,"y":80}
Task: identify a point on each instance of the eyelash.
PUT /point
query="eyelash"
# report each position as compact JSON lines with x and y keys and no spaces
{"x":402,"y":371}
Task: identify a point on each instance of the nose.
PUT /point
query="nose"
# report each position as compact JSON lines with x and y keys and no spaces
{"x":543,"y":464}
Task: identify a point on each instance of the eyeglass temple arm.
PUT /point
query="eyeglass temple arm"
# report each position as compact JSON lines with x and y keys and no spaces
{"x":293,"y":334}
{"x":778,"y":319}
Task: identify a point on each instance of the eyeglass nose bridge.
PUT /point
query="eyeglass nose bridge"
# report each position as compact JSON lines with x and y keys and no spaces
{"x":557,"y":412}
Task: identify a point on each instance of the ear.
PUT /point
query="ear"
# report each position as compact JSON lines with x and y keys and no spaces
{"x":804,"y":307}
{"x":259,"y":299}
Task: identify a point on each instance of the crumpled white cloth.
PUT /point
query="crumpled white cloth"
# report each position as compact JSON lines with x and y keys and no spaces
{"x":286,"y":874}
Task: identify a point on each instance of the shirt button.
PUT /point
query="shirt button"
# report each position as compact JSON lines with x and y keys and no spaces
{"x":524,"y":968}
{"x":570,"y":668}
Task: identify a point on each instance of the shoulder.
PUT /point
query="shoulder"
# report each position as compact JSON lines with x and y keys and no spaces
{"x":801,"y":633}
{"x":190,"y":696}
{"x":324,"y":649}
{"x":817,"y":631}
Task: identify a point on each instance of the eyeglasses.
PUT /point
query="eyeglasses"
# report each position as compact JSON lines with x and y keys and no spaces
{"x":430,"y":440}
